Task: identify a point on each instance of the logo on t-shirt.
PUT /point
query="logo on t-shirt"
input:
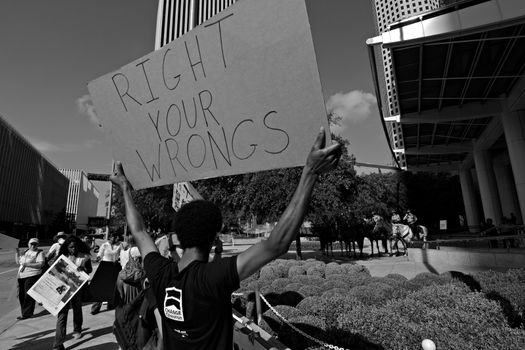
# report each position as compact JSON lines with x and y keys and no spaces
{"x":173,"y":304}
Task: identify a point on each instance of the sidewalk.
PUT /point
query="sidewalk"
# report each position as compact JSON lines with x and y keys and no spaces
{"x":38,"y":333}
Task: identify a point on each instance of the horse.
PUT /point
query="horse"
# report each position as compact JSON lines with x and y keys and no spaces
{"x":350,"y":235}
{"x":407,"y":235}
{"x":399,"y":233}
{"x":327,"y":236}
{"x":385,"y":229}
{"x":375,"y":234}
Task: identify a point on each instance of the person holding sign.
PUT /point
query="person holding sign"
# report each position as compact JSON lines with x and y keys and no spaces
{"x":190,"y":291}
{"x":78,"y":252}
{"x":31,"y":262}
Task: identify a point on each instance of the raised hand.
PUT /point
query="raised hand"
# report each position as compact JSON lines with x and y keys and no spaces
{"x":321,"y":158}
{"x":118,"y":177}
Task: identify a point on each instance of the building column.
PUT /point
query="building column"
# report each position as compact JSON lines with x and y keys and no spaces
{"x":469,"y":200}
{"x":507,"y":192}
{"x":487,"y":186}
{"x":514,"y":128}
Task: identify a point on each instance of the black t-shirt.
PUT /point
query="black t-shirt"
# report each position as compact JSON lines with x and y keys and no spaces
{"x":204,"y":291}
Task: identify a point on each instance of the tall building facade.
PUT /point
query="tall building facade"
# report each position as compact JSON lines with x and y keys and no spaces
{"x":452,"y":84}
{"x":387,"y":12}
{"x":33,"y":192}
{"x":82,"y":199}
{"x":176,"y":17}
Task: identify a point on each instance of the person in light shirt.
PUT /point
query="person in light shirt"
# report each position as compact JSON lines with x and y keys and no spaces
{"x":52,"y":253}
{"x":108,"y":256}
{"x":31,"y":262}
{"x":78,"y":253}
{"x":126,"y":291}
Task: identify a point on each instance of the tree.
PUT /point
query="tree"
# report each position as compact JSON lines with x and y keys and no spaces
{"x":153,"y":203}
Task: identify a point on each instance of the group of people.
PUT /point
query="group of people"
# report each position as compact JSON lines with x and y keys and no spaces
{"x":190,"y":294}
{"x":33,"y":261}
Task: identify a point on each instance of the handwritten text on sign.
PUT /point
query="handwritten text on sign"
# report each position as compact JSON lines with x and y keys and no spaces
{"x":239,"y":93}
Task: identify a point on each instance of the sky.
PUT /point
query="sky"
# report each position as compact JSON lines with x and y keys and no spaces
{"x":50,"y":50}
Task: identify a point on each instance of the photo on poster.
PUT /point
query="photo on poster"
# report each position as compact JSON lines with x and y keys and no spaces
{"x":58,"y":285}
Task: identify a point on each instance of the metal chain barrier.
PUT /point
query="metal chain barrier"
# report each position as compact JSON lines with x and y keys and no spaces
{"x":326,"y":345}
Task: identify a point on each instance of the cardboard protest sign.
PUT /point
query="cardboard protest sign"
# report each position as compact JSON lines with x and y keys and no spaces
{"x":7,"y":242}
{"x":237,"y":94}
{"x":58,"y":285}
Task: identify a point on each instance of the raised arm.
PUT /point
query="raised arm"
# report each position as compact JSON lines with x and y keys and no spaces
{"x":319,"y":160}
{"x":134,"y":218}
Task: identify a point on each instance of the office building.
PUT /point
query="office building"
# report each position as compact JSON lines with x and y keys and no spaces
{"x":454,"y":92}
{"x":33,"y":192}
{"x":82,"y":199}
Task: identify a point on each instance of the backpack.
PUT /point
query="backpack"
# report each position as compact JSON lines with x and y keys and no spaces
{"x":135,"y":324}
{"x":133,"y":273}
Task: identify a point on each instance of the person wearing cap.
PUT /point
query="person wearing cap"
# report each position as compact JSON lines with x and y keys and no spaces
{"x":55,"y":247}
{"x":31,"y":262}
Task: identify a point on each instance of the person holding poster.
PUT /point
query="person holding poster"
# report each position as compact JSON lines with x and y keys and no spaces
{"x":77,"y":252}
{"x":31,"y":262}
{"x":193,"y":289}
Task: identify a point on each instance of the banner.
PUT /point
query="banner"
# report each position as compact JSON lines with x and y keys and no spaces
{"x":237,"y":94}
{"x":58,"y":285}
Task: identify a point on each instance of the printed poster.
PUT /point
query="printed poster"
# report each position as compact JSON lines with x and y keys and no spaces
{"x":58,"y":285}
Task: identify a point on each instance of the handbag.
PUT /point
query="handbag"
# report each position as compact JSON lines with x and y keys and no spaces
{"x":133,"y":272}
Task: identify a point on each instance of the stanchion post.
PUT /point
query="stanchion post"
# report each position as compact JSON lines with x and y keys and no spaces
{"x":258,"y":306}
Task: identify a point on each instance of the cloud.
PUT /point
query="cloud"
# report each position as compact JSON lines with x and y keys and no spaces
{"x":351,"y":107}
{"x":85,"y":106}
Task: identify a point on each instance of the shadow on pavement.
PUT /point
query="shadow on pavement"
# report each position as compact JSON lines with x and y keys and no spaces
{"x":105,"y":346}
{"x":33,"y":341}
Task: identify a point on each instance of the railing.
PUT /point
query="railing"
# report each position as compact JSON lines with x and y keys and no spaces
{"x":511,"y":236}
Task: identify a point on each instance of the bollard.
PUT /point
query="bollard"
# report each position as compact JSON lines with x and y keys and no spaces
{"x":428,"y":344}
{"x":258,"y":306}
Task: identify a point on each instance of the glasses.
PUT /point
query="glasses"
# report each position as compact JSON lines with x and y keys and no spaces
{"x":34,"y":243}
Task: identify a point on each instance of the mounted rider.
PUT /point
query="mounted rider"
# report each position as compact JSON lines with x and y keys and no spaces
{"x":395,"y":219}
{"x":411,"y":221}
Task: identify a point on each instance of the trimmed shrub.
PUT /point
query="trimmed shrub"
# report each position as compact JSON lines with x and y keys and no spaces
{"x":352,"y":280}
{"x":334,"y":292}
{"x":294,"y":287}
{"x":316,"y":271}
{"x":355,"y":268}
{"x":309,"y":325}
{"x":308,"y":280}
{"x":333,"y":268}
{"x":426,"y":278}
{"x":384,"y":326}
{"x":280,"y":283}
{"x":267,"y":289}
{"x":372,"y":294}
{"x":269,"y":272}
{"x":508,"y":289}
{"x":309,"y":290}
{"x":285,"y":311}
{"x":331,"y":284}
{"x":327,"y":309}
{"x":396,"y":276}
{"x":296,"y":271}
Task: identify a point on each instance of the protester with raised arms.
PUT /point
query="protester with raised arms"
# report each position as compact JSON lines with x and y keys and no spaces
{"x":193,"y":295}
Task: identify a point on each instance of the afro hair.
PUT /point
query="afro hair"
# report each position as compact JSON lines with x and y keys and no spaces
{"x":197,"y":223}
